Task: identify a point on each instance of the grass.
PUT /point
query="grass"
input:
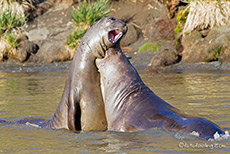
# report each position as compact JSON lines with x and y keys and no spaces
{"x":16,"y":6}
{"x":74,"y":39}
{"x":87,"y":14}
{"x":151,"y":47}
{"x":181,"y":20}
{"x":204,"y":14}
{"x":201,"y":15}
{"x":216,"y":53}
{"x":17,"y":1}
{"x":12,"y":19}
{"x":12,"y":40}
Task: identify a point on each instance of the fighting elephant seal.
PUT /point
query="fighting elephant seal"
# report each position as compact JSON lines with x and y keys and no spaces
{"x":81,"y":99}
{"x":131,"y":106}
{"x":81,"y":106}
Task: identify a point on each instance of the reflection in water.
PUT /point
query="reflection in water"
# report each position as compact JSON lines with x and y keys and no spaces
{"x":37,"y":94}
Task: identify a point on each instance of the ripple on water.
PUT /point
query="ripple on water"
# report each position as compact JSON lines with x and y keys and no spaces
{"x":223,"y":106}
{"x":38,"y":94}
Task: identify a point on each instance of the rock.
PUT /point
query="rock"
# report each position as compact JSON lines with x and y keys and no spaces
{"x":40,"y":33}
{"x":20,"y":55}
{"x":41,"y":6}
{"x":50,"y":32}
{"x":25,"y":48}
{"x":163,"y":28}
{"x":145,"y":16}
{"x":214,"y":47}
{"x":4,"y":47}
{"x":150,"y":20}
{"x":131,"y":36}
{"x":163,"y":58}
{"x":21,"y":52}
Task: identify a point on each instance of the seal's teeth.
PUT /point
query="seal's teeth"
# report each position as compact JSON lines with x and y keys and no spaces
{"x":114,"y":36}
{"x":118,"y":36}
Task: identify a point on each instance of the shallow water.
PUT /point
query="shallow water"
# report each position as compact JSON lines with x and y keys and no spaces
{"x":36,"y":93}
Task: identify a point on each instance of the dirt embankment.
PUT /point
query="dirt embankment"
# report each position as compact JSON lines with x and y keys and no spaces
{"x":148,"y":22}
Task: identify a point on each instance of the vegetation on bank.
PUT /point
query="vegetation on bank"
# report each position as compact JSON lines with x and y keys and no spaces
{"x":87,"y":14}
{"x":201,"y":15}
{"x":151,"y":47}
{"x":12,"y":19}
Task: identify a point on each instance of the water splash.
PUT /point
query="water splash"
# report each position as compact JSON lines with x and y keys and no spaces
{"x":194,"y":133}
{"x":34,"y":125}
{"x":220,"y":137}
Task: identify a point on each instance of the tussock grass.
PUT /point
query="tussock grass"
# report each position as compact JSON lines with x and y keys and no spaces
{"x":13,"y":5}
{"x":87,"y":14}
{"x":205,"y":14}
{"x":74,"y":39}
{"x":12,"y":19}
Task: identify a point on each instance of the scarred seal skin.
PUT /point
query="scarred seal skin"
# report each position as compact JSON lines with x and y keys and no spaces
{"x":81,"y":106}
{"x":131,"y":106}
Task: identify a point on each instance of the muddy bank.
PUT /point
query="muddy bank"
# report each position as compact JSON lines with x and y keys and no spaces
{"x":197,"y":67}
{"x":64,"y":67}
{"x":13,"y":67}
{"x":49,"y":31}
{"x":148,"y":21}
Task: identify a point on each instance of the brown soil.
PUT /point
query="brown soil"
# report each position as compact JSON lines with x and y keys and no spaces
{"x":148,"y":21}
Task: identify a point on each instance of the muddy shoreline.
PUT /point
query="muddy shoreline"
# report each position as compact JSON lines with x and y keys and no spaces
{"x":34,"y":67}
{"x":148,"y":22}
{"x":64,"y":66}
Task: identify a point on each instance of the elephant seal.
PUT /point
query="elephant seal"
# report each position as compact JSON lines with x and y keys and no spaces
{"x":131,"y":106}
{"x":81,"y":106}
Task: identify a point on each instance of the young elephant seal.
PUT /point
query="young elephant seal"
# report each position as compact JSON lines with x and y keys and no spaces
{"x":81,"y":106}
{"x":131,"y":106}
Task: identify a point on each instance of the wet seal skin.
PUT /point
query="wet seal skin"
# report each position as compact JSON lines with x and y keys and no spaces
{"x":131,"y":106}
{"x":81,"y":106}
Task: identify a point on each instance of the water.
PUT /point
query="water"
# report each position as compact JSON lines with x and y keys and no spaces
{"x":36,"y":93}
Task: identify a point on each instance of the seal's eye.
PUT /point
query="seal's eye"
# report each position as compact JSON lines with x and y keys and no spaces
{"x":112,"y":18}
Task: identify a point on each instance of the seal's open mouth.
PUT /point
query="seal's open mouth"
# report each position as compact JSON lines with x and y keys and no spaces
{"x":114,"y":35}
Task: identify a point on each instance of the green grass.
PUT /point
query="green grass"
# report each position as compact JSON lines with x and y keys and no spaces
{"x":74,"y":39}
{"x":10,"y":20}
{"x":151,"y":47}
{"x":217,"y":53}
{"x":87,"y":14}
{"x":181,"y":20}
{"x":12,"y":40}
